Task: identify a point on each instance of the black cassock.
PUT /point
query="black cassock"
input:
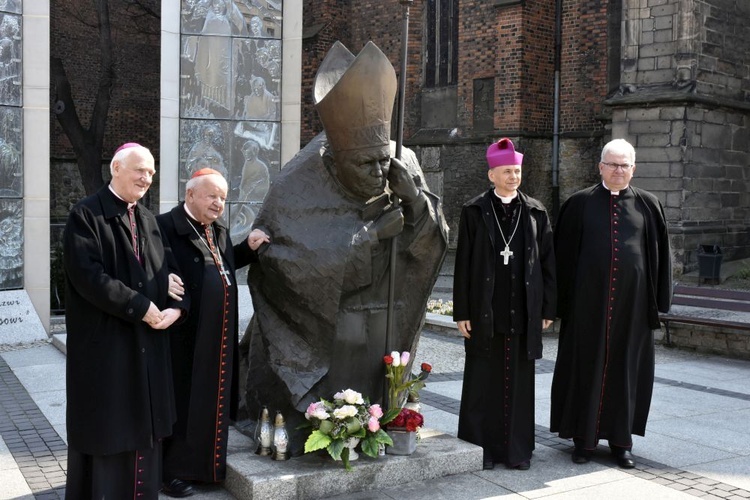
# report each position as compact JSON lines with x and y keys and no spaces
{"x":604,"y":373}
{"x":497,"y":399}
{"x":198,"y":450}
{"x":203,"y":349}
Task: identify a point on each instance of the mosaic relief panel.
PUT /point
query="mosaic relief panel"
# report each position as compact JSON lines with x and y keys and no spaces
{"x":11,"y":244}
{"x":248,"y":154}
{"x":230,"y":87}
{"x":254,"y":18}
{"x":230,"y":78}
{"x":11,"y":152}
{"x":10,"y":59}
{"x":14,"y":6}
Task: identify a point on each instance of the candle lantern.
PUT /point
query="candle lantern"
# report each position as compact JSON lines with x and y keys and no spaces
{"x":266,"y":434}
{"x":280,"y":438}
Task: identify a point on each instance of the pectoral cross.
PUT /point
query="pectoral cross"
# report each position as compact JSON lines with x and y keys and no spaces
{"x":225,"y":274}
{"x":507,"y":254}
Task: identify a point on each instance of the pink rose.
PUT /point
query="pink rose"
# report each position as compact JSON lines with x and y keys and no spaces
{"x":376,"y":411}
{"x":373,"y":424}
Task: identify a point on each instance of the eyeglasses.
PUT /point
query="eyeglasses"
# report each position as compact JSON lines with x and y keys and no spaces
{"x":614,"y":166}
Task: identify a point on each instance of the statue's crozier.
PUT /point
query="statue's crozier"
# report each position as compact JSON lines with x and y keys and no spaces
{"x":320,"y":291}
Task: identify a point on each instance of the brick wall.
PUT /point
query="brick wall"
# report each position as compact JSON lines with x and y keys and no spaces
{"x":682,"y":100}
{"x":329,"y":17}
{"x":134,"y":109}
{"x":583,"y":82}
{"x":687,"y":115}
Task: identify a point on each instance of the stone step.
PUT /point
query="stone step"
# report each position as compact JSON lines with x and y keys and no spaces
{"x":250,"y":476}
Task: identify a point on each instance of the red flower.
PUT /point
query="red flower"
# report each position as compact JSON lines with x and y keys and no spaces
{"x":426,"y":367}
{"x":408,"y":419}
{"x":388,"y":359}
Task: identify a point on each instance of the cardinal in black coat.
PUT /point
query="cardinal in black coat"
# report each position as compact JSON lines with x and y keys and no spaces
{"x":204,"y":345}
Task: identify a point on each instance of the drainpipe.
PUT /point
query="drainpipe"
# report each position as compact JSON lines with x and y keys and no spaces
{"x":556,"y":114}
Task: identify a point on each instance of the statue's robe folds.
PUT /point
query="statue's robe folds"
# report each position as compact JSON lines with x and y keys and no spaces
{"x":320,"y":290}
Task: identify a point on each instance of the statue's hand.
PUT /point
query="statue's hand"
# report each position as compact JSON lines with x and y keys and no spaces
{"x":401,"y":182}
{"x":389,"y":224}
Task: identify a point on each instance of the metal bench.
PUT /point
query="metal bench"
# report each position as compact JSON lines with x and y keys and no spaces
{"x":708,"y":307}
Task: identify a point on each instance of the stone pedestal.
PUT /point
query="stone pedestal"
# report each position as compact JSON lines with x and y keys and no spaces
{"x":316,"y":475}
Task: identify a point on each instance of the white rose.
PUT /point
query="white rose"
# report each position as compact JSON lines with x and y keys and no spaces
{"x":345,"y":411}
{"x":353,"y":397}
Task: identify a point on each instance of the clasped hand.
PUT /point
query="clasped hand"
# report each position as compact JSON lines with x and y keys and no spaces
{"x":160,"y":320}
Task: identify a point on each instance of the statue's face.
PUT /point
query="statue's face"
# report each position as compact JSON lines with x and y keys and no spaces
{"x":363,"y":172}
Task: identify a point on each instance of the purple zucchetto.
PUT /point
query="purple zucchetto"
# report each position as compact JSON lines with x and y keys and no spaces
{"x":502,"y":153}
{"x":128,"y":145}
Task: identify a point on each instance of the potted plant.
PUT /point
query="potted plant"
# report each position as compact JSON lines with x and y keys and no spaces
{"x":403,"y":423}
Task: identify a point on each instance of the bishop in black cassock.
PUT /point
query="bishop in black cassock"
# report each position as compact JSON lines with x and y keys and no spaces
{"x":503,"y":296}
{"x":203,"y":346}
{"x":614,"y":276}
{"x":117,"y":309}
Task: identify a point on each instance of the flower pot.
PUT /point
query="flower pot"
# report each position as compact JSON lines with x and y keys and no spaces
{"x":352,"y":443}
{"x":404,"y":442}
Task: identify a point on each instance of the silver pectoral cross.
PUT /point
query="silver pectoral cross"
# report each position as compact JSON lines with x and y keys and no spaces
{"x":225,"y":274}
{"x":507,"y":254}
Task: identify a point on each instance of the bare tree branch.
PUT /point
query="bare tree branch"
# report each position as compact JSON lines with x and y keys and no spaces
{"x":88,"y":142}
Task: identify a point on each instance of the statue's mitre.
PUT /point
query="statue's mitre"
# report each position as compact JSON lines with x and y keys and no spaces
{"x":354,"y":97}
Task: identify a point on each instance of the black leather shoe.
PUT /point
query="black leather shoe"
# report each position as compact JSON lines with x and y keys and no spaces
{"x":581,"y":456}
{"x":488,"y":464}
{"x":523,"y":465}
{"x":624,"y":458}
{"x":177,"y":488}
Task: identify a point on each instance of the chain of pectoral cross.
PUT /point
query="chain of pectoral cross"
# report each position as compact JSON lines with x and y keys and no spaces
{"x":208,"y":242}
{"x":506,"y":253}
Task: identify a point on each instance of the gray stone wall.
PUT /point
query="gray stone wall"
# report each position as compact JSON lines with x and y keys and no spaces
{"x":720,"y":341}
{"x":683,"y":105}
{"x":695,"y":159}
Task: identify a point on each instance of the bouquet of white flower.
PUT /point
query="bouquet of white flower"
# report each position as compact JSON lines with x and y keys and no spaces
{"x":348,"y":416}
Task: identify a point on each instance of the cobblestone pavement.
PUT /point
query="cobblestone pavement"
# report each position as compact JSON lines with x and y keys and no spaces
{"x":34,"y":445}
{"x":697,"y":444}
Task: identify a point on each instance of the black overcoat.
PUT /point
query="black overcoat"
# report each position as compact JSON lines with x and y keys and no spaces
{"x":474,"y":276}
{"x":186,"y":248}
{"x":119,"y":380}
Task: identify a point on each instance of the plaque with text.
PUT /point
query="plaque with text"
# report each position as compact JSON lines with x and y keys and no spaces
{"x":19,"y":323}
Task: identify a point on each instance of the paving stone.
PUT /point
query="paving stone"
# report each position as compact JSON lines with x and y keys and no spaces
{"x":695,"y":493}
{"x":726,"y":487}
{"x":721,"y":493}
{"x":686,"y":482}
{"x":674,"y":486}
